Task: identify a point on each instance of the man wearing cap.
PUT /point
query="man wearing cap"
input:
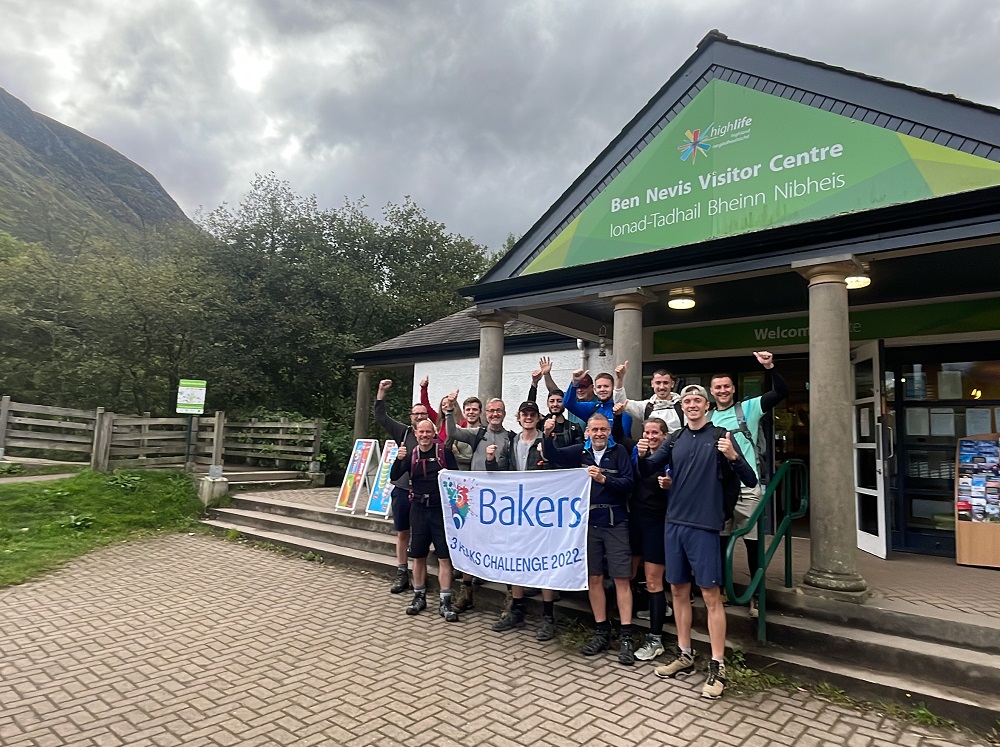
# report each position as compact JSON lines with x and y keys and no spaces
{"x":527,"y":456}
{"x":702,"y":459}
{"x":603,"y":388}
{"x":400,"y":497}
{"x":610,"y":469}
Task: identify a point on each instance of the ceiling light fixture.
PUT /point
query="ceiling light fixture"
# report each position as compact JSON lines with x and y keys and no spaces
{"x":860,"y":277}
{"x":681,"y":298}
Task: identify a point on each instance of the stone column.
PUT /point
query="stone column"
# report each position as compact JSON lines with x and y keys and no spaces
{"x":832,"y":520}
{"x":490,"y":356}
{"x":363,"y":405}
{"x":628,"y":337}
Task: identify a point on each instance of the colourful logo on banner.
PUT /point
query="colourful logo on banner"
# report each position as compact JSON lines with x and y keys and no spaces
{"x":695,"y":142}
{"x":458,"y":494}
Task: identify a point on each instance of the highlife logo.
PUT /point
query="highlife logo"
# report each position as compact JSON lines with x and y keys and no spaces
{"x":699,"y":141}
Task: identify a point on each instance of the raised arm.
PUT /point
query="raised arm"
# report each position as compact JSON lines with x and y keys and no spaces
{"x":395,"y":429}
{"x":425,"y":400}
{"x":465,"y":435}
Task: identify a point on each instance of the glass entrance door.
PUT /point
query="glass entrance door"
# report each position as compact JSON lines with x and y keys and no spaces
{"x":869,"y":462}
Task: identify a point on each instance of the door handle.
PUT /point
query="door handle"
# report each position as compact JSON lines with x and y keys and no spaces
{"x":892,"y":443}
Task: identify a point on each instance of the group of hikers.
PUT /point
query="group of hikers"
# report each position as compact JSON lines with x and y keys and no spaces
{"x":666,"y":501}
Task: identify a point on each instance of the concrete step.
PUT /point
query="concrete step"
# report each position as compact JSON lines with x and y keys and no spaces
{"x":280,"y":507}
{"x":237,"y":483}
{"x":263,"y":475}
{"x":351,"y":537}
{"x":973,"y":709}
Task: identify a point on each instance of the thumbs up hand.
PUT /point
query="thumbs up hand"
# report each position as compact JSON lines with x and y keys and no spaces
{"x":725,"y":445}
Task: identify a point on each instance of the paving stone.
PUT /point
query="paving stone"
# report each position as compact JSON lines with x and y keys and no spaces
{"x":197,"y":641}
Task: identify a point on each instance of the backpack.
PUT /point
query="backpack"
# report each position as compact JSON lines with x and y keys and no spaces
{"x":481,"y":436}
{"x":677,"y":408}
{"x":759,"y":446}
{"x":438,"y":453}
{"x":731,"y":484}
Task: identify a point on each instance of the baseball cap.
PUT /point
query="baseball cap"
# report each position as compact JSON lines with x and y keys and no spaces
{"x":586,"y":382}
{"x":694,"y":389}
{"x":528,"y":407}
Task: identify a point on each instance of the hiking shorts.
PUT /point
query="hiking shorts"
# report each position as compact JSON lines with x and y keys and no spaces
{"x":400,"y":509}
{"x":646,"y":536}
{"x":426,"y":529}
{"x":745,"y":506}
{"x":690,"y":550}
{"x":610,"y":544}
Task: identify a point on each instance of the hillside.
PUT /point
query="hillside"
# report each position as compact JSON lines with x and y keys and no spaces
{"x":60,"y":187}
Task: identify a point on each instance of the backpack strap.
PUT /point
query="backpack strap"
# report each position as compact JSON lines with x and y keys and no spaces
{"x":648,"y":410}
{"x":480,"y":435}
{"x":741,"y":423}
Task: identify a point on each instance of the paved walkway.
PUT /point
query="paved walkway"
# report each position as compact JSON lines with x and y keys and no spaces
{"x":905,"y":579}
{"x":34,"y":478}
{"x":192,"y":640}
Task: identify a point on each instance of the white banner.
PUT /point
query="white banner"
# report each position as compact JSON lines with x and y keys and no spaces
{"x":522,"y":528}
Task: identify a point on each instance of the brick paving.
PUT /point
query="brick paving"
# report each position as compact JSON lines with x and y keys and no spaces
{"x":915,"y":580}
{"x":192,"y":640}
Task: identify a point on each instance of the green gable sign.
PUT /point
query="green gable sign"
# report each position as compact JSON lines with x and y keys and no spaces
{"x":737,"y":160}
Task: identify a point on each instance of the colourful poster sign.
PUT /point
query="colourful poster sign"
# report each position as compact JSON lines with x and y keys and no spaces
{"x":380,"y":500}
{"x":737,"y":160}
{"x":191,"y":396}
{"x":357,"y":473}
{"x":871,"y":324}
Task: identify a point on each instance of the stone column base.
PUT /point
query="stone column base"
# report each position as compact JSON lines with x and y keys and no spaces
{"x":210,"y":488}
{"x":846,"y":587}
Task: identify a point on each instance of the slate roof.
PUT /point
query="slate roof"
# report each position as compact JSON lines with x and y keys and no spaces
{"x":455,"y":333}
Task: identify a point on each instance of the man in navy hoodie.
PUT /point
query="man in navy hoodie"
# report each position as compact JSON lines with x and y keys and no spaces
{"x":699,"y":455}
{"x":610,"y":469}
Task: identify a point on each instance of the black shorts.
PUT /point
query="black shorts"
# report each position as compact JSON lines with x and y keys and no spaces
{"x":400,"y":509}
{"x":646,"y":536}
{"x":609,"y":544}
{"x":426,"y":529}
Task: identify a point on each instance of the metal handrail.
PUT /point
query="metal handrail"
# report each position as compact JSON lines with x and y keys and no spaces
{"x":793,"y":474}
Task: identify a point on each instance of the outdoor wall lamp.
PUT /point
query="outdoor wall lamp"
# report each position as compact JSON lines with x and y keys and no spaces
{"x":681,"y":298}
{"x":602,"y":346}
{"x":860,"y":277}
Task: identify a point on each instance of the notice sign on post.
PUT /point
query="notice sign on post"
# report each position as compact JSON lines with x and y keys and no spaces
{"x":191,"y":397}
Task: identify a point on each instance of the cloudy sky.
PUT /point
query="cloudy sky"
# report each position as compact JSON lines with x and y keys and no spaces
{"x":483,"y":111}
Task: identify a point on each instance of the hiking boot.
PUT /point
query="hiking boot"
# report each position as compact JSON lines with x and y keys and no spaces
{"x":599,"y":641}
{"x":626,"y":653}
{"x":547,"y":630}
{"x":716,"y":681}
{"x":418,"y":604}
{"x":446,"y":611}
{"x":514,"y":618}
{"x":651,"y":648}
{"x":402,"y":582}
{"x":681,"y":666}
{"x":463,"y":599}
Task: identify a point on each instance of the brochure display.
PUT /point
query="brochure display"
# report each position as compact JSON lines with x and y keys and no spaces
{"x":380,"y":499}
{"x":977,"y":501}
{"x":360,"y":474}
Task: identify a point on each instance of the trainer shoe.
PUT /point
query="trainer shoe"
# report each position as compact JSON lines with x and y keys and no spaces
{"x":626,"y":653}
{"x":642,"y":614}
{"x":599,"y":641}
{"x":716,"y":681}
{"x":547,"y":630}
{"x":651,"y":648}
{"x":463,"y":598}
{"x":681,"y":666}
{"x":513,"y":618}
{"x":402,"y":582}
{"x":446,"y":611}
{"x":418,"y":604}
{"x":754,"y":612}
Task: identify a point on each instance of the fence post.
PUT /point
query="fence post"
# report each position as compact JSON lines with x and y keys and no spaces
{"x":143,"y":441}
{"x":316,"y":476}
{"x":218,"y":438}
{"x":4,"y":416}
{"x":101,"y":451}
{"x":281,"y":463}
{"x":195,"y":426}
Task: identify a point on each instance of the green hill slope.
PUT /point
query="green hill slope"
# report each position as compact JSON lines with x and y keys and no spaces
{"x":61,"y":188}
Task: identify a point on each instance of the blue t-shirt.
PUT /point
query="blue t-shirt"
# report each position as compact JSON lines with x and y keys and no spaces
{"x":727,"y":419}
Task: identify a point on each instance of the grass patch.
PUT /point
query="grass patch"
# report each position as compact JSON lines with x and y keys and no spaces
{"x":15,"y":469}
{"x":45,"y":524}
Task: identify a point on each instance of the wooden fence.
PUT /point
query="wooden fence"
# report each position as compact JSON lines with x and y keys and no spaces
{"x":111,"y":441}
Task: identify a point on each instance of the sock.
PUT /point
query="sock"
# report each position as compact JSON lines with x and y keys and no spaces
{"x":548,"y":609}
{"x":446,"y":595}
{"x":467,"y":580}
{"x":657,"y":611}
{"x":518,"y":604}
{"x":688,"y":651}
{"x":422,"y":591}
{"x":604,"y":627}
{"x":402,"y":567}
{"x":751,"y":556}
{"x":626,"y":630}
